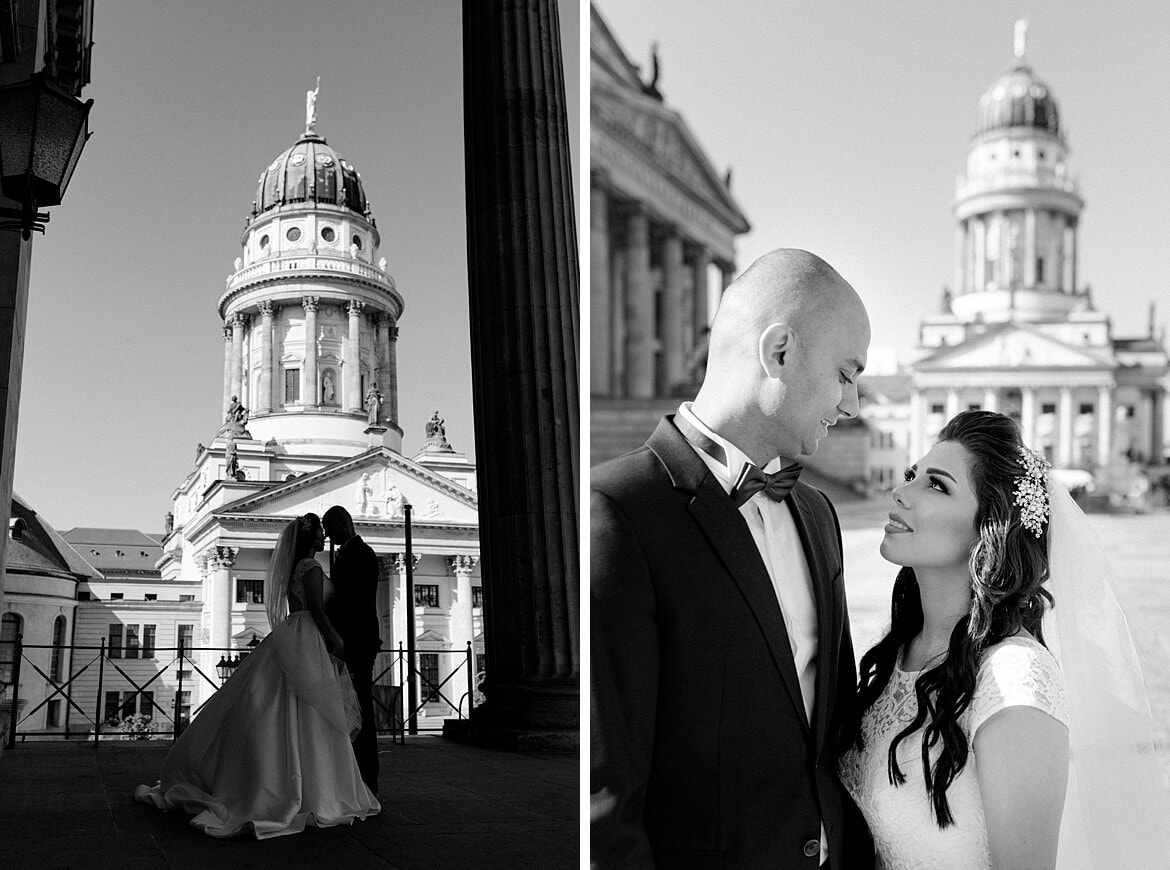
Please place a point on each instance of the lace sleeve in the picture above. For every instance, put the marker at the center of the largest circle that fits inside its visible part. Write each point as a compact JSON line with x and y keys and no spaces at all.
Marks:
{"x":1018,"y":672}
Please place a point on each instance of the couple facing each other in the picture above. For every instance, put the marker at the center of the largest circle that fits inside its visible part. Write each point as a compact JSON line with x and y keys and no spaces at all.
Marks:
{"x":271,"y":751}
{"x":991,"y":726}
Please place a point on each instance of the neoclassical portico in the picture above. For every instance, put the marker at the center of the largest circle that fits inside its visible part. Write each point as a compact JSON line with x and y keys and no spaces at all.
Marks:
{"x":663,"y":226}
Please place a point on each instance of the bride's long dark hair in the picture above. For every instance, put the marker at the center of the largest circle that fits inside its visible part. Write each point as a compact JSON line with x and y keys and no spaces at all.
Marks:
{"x":1008,"y":566}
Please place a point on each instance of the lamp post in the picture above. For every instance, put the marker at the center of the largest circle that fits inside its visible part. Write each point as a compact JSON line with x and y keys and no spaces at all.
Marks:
{"x":224,"y":668}
{"x":43,"y":131}
{"x":411,"y":674}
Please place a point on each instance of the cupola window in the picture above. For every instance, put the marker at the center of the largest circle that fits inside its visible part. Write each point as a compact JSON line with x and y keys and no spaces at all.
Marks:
{"x":328,"y":234}
{"x":357,"y":242}
{"x":264,"y":240}
{"x":293,"y":234}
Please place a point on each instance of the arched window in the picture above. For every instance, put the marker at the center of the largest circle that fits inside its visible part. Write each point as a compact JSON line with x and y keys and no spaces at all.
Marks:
{"x":58,"y":649}
{"x":10,"y":626}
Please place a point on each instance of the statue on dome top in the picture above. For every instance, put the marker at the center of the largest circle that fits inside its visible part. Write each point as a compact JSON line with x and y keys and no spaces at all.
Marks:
{"x":311,"y":108}
{"x":1021,"y":39}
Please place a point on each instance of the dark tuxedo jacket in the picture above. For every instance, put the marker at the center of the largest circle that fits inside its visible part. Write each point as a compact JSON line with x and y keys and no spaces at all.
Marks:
{"x":701,"y":752}
{"x":353,"y":609}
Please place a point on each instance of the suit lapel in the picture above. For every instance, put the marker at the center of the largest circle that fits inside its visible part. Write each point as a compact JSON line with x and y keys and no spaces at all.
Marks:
{"x":812,"y":539}
{"x":732,"y":542}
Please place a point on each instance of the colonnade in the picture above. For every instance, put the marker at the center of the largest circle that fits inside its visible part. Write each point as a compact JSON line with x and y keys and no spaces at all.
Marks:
{"x":1022,"y":248}
{"x":645,"y":343}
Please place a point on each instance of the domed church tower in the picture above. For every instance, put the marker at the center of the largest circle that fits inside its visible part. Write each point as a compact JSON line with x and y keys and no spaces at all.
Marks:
{"x":1017,"y":207}
{"x":310,"y":322}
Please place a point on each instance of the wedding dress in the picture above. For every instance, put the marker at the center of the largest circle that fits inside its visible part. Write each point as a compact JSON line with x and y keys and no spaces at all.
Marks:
{"x":270,"y":751}
{"x":1018,"y":671}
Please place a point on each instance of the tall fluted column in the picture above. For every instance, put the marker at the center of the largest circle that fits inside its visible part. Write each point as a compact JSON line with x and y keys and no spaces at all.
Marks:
{"x":672,"y":313}
{"x":277,"y":379}
{"x":1064,"y":450}
{"x":1030,"y":247}
{"x":391,"y":407}
{"x":980,"y":254}
{"x":639,"y":309}
{"x":237,"y":321}
{"x":311,"y":393}
{"x":960,"y":250}
{"x":1028,"y":416}
{"x":227,"y":368}
{"x":991,"y":399}
{"x":702,"y":260}
{"x":220,"y":562}
{"x":522,"y":263}
{"x":1104,"y":425}
{"x":264,"y":400}
{"x":382,"y":350}
{"x":952,"y":402}
{"x":599,"y":294}
{"x":461,"y":615}
{"x":353,"y":357}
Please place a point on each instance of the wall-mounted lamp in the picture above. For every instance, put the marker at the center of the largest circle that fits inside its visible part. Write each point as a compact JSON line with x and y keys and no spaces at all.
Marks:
{"x":43,"y":129}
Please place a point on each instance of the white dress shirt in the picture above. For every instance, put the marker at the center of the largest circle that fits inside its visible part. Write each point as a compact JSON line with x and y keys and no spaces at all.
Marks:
{"x":774,"y":531}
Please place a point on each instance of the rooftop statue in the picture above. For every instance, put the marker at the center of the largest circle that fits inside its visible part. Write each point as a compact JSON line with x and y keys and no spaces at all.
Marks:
{"x":311,"y":108}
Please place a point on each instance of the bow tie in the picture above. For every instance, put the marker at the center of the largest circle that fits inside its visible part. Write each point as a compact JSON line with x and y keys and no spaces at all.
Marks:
{"x":751,"y":479}
{"x":775,"y":486}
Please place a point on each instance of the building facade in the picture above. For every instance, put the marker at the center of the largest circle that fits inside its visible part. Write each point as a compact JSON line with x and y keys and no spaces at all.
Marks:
{"x":1019,"y":332}
{"x":662,"y":249}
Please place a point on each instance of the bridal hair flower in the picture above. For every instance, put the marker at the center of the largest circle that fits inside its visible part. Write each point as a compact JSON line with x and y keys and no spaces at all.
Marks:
{"x":1032,"y":490}
{"x":305,"y":524}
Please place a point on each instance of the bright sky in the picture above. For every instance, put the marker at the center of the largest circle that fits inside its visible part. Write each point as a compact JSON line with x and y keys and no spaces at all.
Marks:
{"x":123,"y":363}
{"x":846,"y":124}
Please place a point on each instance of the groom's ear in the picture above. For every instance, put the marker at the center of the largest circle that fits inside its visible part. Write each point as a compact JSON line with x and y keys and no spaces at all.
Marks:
{"x":775,"y":344}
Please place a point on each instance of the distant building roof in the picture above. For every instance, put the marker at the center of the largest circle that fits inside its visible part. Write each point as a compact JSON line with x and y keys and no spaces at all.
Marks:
{"x":886,"y":389}
{"x":115,"y":551}
{"x":35,"y":547}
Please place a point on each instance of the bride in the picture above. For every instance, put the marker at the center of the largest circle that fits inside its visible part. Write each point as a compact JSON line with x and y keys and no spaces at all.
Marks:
{"x":1002,"y":720}
{"x":269,"y":753}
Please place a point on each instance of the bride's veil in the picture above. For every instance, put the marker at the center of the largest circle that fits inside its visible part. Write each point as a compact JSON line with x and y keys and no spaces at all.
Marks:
{"x":279,"y":573}
{"x":1117,"y":808}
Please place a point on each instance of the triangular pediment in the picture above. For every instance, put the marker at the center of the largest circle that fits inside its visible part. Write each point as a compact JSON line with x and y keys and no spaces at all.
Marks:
{"x":1015,"y":346}
{"x":373,"y":487}
{"x":661,"y":139}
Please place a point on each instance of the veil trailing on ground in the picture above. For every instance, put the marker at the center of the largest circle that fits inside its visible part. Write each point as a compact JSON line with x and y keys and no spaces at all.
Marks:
{"x":279,"y":573}
{"x":1117,"y":807}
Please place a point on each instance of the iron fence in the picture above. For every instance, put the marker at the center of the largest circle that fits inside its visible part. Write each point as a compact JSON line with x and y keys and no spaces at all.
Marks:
{"x":394,"y":714}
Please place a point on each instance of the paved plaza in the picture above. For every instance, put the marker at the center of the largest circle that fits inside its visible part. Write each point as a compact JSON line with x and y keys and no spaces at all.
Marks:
{"x":1139,"y":551}
{"x":444,"y":805}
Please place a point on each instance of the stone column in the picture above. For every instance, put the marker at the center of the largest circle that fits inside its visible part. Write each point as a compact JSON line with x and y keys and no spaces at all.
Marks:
{"x":672,"y":313}
{"x":1005,"y":248}
{"x":1157,"y":424}
{"x":639,"y":309}
{"x":1030,"y":248}
{"x":227,"y":368}
{"x":1104,"y":425}
{"x":1067,"y":269}
{"x":462,"y":629}
{"x":991,"y":399}
{"x":1072,"y":286}
{"x":617,"y":319}
{"x":952,"y":402}
{"x":220,"y":561}
{"x":354,"y":402}
{"x":398,"y":608}
{"x":1064,"y":451}
{"x":237,"y":321}
{"x":960,"y":255}
{"x":390,"y":409}
{"x":523,"y":268}
{"x":916,"y":424}
{"x":701,"y":263}
{"x":382,"y":354}
{"x":264,"y":400}
{"x":309,"y":388}
{"x":599,"y":293}
{"x":277,"y":378}
{"x":980,"y":254}
{"x":1028,"y":416}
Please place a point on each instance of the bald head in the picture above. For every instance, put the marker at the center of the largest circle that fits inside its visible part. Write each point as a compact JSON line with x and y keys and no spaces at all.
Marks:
{"x":788,"y":286}
{"x":787,"y":343}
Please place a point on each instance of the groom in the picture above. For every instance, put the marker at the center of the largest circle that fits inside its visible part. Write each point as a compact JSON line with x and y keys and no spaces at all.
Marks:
{"x":354,"y":613}
{"x":722,"y":663}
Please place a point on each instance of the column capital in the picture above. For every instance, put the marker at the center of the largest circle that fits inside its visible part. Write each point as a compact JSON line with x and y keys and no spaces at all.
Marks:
{"x":239,"y":319}
{"x":393,"y":333}
{"x":265,"y":308}
{"x":218,"y":557}
{"x":310,"y":303}
{"x":399,"y":561}
{"x":227,"y":332}
{"x":385,"y":318}
{"x":355,"y":307}
{"x":462,"y":564}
